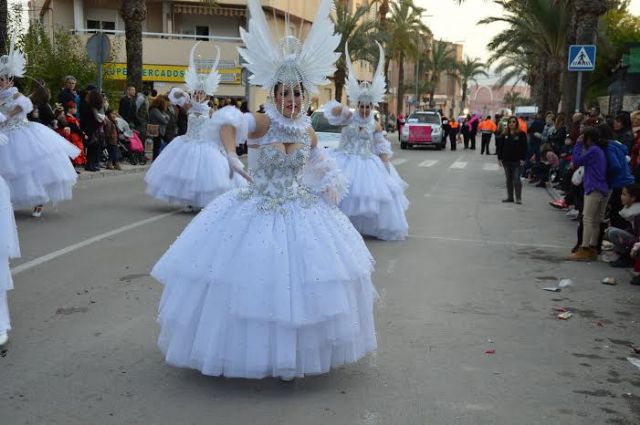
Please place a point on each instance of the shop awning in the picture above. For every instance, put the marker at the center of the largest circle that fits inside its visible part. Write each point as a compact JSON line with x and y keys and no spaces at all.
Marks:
{"x":200,"y":9}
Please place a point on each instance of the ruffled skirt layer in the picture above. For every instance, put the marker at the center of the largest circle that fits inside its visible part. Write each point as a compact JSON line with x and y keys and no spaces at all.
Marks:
{"x":253,"y":292}
{"x":376,"y":203}
{"x":36,"y":164}
{"x":190,"y":172}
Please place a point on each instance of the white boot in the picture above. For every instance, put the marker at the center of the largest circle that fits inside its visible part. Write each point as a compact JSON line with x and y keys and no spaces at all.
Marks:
{"x":4,"y":337}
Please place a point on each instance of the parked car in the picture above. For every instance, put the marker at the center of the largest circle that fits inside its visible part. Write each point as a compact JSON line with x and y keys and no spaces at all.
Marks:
{"x":422,"y":128}
{"x":328,"y":135}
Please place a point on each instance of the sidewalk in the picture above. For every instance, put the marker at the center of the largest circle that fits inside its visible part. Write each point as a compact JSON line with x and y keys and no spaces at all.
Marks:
{"x":126,"y":169}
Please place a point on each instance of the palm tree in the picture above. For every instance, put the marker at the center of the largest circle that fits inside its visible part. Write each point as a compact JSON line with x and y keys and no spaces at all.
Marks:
{"x":405,"y":29}
{"x":358,"y":32}
{"x":582,"y":28}
{"x":4,"y":24}
{"x":539,"y":27}
{"x":468,"y":71}
{"x":441,"y":57}
{"x":133,"y":12}
{"x":511,"y":99}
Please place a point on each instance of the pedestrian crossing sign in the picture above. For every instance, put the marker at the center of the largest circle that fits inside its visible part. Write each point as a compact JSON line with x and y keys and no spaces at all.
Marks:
{"x":582,"y":57}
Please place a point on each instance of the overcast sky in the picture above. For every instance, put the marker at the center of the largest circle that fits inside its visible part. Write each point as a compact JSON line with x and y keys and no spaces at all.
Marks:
{"x":456,"y":23}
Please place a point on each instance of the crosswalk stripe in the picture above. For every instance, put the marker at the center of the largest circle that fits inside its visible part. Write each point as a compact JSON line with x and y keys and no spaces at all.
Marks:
{"x":458,"y":165}
{"x":489,"y":166}
{"x":399,"y":161}
{"x":428,"y":163}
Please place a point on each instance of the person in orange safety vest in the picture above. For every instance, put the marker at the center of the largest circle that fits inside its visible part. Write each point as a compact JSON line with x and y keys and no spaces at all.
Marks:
{"x":487,"y":129}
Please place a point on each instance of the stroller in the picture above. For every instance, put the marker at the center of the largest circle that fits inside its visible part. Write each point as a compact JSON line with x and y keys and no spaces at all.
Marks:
{"x":129,"y":144}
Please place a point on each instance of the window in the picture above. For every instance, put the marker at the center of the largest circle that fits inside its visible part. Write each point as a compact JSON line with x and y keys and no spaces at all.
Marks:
{"x":100,"y":25}
{"x":423,"y":118}
{"x":202,"y":31}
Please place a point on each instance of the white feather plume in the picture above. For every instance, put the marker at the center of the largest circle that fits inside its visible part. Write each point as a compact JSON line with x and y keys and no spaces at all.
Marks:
{"x":372,"y":92}
{"x":319,"y":55}
{"x":265,"y":59}
{"x":13,"y":64}
{"x":195,"y":81}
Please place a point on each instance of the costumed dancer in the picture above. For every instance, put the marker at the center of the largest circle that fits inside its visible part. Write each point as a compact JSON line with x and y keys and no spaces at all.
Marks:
{"x":35,"y":162}
{"x":272,"y":280}
{"x":9,"y":248}
{"x":193,"y":169}
{"x":376,"y":203}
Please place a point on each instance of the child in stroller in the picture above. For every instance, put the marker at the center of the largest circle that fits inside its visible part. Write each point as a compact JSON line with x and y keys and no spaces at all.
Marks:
{"x":129,"y":143}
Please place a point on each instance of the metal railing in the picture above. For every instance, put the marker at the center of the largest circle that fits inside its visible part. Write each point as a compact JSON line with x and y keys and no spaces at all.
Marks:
{"x":162,"y":35}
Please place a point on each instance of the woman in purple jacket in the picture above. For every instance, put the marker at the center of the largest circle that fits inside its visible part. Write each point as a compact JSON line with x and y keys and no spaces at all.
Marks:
{"x":589,"y":154}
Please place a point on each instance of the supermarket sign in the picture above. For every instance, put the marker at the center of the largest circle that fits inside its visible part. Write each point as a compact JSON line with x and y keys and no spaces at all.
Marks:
{"x":167,"y":73}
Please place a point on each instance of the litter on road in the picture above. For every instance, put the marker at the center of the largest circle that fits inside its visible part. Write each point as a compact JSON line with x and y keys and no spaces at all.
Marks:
{"x":565,"y":316}
{"x":552,"y":289}
{"x":609,"y":281}
{"x":634,"y":361}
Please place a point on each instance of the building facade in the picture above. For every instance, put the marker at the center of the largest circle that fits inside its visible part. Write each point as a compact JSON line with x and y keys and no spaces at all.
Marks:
{"x":448,"y":94}
{"x":171,"y":29}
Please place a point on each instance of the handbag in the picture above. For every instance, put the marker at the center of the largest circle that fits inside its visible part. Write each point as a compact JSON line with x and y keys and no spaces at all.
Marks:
{"x":577,"y":177}
{"x":153,"y":130}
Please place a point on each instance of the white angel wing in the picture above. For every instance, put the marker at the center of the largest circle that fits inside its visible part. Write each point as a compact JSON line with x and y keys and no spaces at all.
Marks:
{"x":17,"y":61}
{"x":261,"y":54}
{"x":191,"y":74}
{"x":213,"y":79}
{"x":351,"y":84}
{"x":378,"y":84}
{"x":318,"y":55}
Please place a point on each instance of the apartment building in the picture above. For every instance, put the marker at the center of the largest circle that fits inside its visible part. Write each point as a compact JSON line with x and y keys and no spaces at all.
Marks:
{"x":171,"y":29}
{"x":448,"y":94}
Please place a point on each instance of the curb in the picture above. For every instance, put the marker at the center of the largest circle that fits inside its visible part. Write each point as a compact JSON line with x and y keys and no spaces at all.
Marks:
{"x":103,"y":173}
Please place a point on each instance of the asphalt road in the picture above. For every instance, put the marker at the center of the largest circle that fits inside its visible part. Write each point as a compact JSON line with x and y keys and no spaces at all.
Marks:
{"x":468,"y":280}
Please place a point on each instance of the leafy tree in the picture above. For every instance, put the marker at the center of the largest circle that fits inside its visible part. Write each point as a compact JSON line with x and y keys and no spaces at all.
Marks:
{"x":468,"y":71}
{"x":359,"y":31}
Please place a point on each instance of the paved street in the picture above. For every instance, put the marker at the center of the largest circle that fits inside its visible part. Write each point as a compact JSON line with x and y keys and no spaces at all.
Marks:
{"x":468,"y":280}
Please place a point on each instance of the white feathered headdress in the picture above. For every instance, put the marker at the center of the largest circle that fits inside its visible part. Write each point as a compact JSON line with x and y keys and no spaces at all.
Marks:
{"x":365,"y":92}
{"x":206,"y":82}
{"x":289,"y":61}
{"x":13,"y":64}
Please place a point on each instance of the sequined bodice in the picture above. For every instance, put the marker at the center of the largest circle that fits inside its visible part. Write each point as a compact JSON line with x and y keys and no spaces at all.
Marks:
{"x":196,"y":127}
{"x":356,"y":139}
{"x":7,"y":105}
{"x":276,"y":174}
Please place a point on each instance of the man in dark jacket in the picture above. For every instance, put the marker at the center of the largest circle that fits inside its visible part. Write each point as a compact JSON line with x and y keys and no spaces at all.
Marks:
{"x":68,"y":92}
{"x":127,"y":109}
{"x":535,"y":130}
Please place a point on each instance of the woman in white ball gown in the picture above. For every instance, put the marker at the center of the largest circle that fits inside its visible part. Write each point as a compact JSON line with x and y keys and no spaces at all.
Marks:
{"x":193,"y":169}
{"x":376,"y":203}
{"x":36,"y":161}
{"x":9,"y":248}
{"x":272,"y":280}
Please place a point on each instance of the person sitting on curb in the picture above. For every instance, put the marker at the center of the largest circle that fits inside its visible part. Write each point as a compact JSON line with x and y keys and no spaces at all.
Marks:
{"x":623,"y":240}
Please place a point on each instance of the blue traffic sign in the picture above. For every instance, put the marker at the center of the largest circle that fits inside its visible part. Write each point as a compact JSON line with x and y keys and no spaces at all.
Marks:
{"x":582,"y":57}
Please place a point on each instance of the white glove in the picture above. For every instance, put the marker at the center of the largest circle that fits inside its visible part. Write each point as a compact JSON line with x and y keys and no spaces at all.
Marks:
{"x":235,"y":165}
{"x":3,"y":118}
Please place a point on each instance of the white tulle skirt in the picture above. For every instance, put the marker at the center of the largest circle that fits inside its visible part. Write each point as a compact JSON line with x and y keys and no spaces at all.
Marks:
{"x":376,"y":203}
{"x":254,"y":293}
{"x":9,"y":248}
{"x":36,"y":164}
{"x":189,"y":172}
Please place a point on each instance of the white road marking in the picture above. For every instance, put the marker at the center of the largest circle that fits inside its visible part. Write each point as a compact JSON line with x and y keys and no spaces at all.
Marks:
{"x":487,"y":242}
{"x":458,"y":164}
{"x":428,"y":163}
{"x":490,"y":166}
{"x":59,"y":253}
{"x":399,"y":161}
{"x":391,"y":267}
